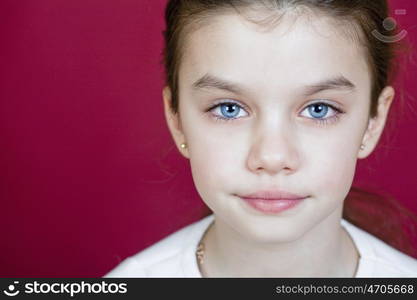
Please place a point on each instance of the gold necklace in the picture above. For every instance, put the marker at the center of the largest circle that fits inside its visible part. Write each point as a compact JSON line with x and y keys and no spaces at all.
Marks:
{"x":201,"y":248}
{"x":200,"y":253}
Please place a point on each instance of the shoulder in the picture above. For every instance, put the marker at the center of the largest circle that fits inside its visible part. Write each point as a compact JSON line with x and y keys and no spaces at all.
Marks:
{"x":379,"y":259}
{"x":170,"y":257}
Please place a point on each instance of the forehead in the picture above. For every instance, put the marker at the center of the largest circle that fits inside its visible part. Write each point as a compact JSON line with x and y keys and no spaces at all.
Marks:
{"x":298,"y":51}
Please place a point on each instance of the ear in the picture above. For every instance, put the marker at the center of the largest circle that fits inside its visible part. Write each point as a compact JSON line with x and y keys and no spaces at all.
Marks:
{"x":174,"y":122}
{"x":376,"y":124}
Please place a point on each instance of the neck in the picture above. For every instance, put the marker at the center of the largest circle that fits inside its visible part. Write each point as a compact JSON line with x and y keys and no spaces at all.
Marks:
{"x":229,"y":254}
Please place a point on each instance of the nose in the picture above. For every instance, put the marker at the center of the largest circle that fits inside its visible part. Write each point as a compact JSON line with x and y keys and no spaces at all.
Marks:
{"x":273,"y":150}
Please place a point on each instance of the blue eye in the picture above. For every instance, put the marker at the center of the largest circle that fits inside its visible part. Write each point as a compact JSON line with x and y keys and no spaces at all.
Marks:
{"x":323,"y":113}
{"x":228,"y":111}
{"x":320,"y":112}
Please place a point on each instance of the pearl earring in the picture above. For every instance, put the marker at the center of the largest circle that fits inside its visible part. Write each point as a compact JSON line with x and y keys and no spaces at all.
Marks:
{"x":183,"y":145}
{"x":362,"y":147}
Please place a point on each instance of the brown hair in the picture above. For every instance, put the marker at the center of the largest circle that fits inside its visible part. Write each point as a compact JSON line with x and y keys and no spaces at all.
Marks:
{"x":363,"y":19}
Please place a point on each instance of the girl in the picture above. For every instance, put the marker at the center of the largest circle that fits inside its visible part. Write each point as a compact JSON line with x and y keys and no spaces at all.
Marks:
{"x":273,"y":102}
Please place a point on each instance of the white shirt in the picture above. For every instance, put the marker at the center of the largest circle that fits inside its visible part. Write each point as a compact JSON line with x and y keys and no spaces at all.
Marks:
{"x":174,"y":256}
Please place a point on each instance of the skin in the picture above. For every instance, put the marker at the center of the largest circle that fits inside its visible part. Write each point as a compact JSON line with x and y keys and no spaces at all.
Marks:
{"x":274,"y":142}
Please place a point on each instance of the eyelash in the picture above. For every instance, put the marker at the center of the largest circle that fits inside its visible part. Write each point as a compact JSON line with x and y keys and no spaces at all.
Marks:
{"x":321,"y":122}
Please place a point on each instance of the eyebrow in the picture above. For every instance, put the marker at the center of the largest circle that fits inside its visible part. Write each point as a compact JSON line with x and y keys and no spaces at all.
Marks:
{"x":209,"y":81}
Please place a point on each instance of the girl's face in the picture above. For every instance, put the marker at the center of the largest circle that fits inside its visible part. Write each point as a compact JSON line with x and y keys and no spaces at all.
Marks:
{"x":283,"y":109}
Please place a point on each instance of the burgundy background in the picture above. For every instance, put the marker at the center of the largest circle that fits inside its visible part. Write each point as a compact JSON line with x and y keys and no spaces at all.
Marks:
{"x":89,"y":174}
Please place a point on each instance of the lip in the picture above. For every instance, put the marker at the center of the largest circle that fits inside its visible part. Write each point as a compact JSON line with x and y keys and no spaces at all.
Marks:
{"x":273,"y":195}
{"x":272,"y":201}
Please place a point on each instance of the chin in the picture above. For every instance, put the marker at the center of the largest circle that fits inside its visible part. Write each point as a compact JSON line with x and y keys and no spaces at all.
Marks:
{"x":272,"y":234}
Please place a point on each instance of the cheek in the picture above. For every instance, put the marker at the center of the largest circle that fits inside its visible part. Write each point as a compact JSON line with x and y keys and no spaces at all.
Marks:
{"x":332,"y":169}
{"x":216,"y":158}
{"x":214,"y":162}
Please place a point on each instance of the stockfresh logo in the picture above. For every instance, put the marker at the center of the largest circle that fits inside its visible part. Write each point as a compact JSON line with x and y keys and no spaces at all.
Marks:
{"x":11,"y":290}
